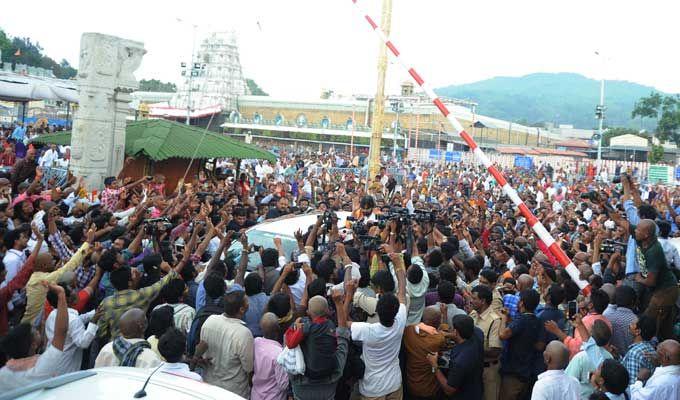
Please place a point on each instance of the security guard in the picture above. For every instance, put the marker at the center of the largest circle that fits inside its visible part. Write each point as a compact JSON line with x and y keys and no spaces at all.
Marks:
{"x":490,"y":323}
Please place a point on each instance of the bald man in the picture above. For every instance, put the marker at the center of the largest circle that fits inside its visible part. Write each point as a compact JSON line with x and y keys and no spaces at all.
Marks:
{"x":554,"y":383}
{"x":129,"y":349}
{"x":317,"y":307}
{"x":419,"y":341}
{"x":657,"y":277}
{"x":315,"y":335}
{"x":665,"y":382}
{"x":270,"y":380}
{"x":44,"y":270}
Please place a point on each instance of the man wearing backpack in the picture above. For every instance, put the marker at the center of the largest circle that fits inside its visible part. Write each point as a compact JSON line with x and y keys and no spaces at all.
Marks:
{"x":324,"y":349}
{"x":214,"y":290}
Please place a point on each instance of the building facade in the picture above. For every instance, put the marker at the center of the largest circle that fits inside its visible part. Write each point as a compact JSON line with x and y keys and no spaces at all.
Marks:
{"x":348,"y":121}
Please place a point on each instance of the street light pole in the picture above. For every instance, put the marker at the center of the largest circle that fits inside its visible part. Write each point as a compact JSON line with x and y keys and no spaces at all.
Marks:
{"x":397,"y":107}
{"x":191,"y":75}
{"x":599,"y":113}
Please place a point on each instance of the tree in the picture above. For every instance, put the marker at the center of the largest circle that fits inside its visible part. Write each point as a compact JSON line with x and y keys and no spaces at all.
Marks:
{"x":255,"y":90}
{"x":666,"y":110}
{"x":656,"y":154}
{"x":31,"y":54}
{"x":647,"y":107}
{"x":154,"y":85}
{"x":5,"y":45}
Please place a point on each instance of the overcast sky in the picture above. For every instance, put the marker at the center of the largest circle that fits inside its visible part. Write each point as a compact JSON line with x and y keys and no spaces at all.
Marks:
{"x":306,"y":45}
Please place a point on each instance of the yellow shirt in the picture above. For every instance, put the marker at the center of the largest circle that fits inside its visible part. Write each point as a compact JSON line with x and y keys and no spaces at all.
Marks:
{"x":491,"y":324}
{"x":36,"y":292}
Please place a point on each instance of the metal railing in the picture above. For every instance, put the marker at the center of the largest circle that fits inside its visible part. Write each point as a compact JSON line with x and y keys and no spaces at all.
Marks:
{"x":57,"y":175}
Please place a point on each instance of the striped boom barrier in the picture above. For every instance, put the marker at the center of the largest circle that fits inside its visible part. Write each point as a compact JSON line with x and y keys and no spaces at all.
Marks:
{"x":532,"y":221}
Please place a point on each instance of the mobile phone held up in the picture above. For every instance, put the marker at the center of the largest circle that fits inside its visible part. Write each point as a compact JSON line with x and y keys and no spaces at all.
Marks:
{"x":572,"y":309}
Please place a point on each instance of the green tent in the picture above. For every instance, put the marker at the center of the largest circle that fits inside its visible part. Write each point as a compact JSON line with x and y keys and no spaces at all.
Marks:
{"x":160,"y":139}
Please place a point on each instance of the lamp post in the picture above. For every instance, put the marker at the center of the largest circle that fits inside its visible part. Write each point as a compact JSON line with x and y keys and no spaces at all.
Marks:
{"x":397,"y":107}
{"x":193,"y":69}
{"x":599,"y":114}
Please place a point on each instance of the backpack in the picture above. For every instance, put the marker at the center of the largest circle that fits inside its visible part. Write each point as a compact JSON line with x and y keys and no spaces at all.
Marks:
{"x":318,"y":349}
{"x":194,"y":335}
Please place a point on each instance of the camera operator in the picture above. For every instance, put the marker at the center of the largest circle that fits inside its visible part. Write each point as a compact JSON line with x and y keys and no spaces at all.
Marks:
{"x":635,"y":212}
{"x":366,"y":210}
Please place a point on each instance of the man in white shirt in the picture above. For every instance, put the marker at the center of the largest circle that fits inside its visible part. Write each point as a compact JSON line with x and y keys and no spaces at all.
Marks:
{"x":49,"y":157}
{"x":227,"y":341}
{"x":78,"y":337}
{"x":15,"y":257}
{"x":16,"y":241}
{"x":129,"y":349}
{"x":382,"y":341}
{"x":172,"y":346}
{"x":554,"y":383}
{"x":665,"y":382}
{"x":23,"y":368}
{"x":670,"y":251}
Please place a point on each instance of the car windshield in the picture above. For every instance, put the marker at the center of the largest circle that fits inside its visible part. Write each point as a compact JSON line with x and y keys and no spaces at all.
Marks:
{"x":263,"y":239}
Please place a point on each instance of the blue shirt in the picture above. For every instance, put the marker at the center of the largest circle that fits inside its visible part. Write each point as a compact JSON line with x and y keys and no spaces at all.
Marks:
{"x":256,"y":307}
{"x":632,"y":265}
{"x":511,"y":302}
{"x":550,"y":313}
{"x":19,"y":133}
{"x":636,"y":358}
{"x":200,"y":296}
{"x":467,"y":367}
{"x":520,"y":356}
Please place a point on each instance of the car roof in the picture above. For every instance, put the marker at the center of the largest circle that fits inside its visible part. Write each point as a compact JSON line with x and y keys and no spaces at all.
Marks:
{"x":120,"y":383}
{"x":287,"y":225}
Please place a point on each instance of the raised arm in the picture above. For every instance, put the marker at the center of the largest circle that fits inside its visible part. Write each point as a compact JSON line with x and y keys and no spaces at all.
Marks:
{"x":224,"y":244}
{"x":210,"y":233}
{"x":282,"y":277}
{"x":243,"y":263}
{"x":94,"y":282}
{"x":400,"y":271}
{"x":61,"y":322}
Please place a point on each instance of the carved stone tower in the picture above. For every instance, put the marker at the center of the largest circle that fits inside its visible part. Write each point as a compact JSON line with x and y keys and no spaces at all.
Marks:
{"x":105,"y":81}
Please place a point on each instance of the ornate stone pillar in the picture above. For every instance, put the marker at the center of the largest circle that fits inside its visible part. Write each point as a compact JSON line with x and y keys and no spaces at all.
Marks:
{"x":105,"y":81}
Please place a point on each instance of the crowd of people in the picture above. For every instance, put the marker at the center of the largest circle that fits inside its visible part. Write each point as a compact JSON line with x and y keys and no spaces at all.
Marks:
{"x":429,"y":286}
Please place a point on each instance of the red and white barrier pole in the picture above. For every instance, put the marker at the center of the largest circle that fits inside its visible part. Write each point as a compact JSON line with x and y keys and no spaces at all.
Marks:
{"x":532,"y":221}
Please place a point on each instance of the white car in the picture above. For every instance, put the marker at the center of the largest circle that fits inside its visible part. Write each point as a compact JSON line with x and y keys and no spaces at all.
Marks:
{"x":119,"y":383}
{"x":263,"y":234}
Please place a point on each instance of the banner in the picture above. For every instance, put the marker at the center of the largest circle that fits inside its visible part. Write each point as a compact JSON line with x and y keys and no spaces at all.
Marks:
{"x":659,"y":173}
{"x":453,"y":156}
{"x":525,"y":162}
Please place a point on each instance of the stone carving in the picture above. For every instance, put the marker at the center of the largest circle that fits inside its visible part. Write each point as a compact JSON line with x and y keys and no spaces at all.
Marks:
{"x":105,"y":79}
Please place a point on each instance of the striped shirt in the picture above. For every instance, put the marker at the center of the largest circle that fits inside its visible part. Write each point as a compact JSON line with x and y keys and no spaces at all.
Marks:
{"x":122,"y":300}
{"x":637,"y":358}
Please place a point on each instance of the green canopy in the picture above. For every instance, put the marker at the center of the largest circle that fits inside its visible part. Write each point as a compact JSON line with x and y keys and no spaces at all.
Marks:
{"x":160,"y":139}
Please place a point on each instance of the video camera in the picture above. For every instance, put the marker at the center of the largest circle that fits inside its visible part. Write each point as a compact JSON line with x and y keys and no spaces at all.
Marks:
{"x":328,"y":219}
{"x":151,"y":225}
{"x":612,"y":246}
{"x":370,"y":242}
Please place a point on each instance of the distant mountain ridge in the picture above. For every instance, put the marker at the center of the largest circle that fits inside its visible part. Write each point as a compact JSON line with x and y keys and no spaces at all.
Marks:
{"x":562,"y":98}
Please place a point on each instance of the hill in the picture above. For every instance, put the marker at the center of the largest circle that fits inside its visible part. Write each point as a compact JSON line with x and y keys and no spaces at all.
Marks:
{"x":17,"y":50}
{"x":565,"y":98}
